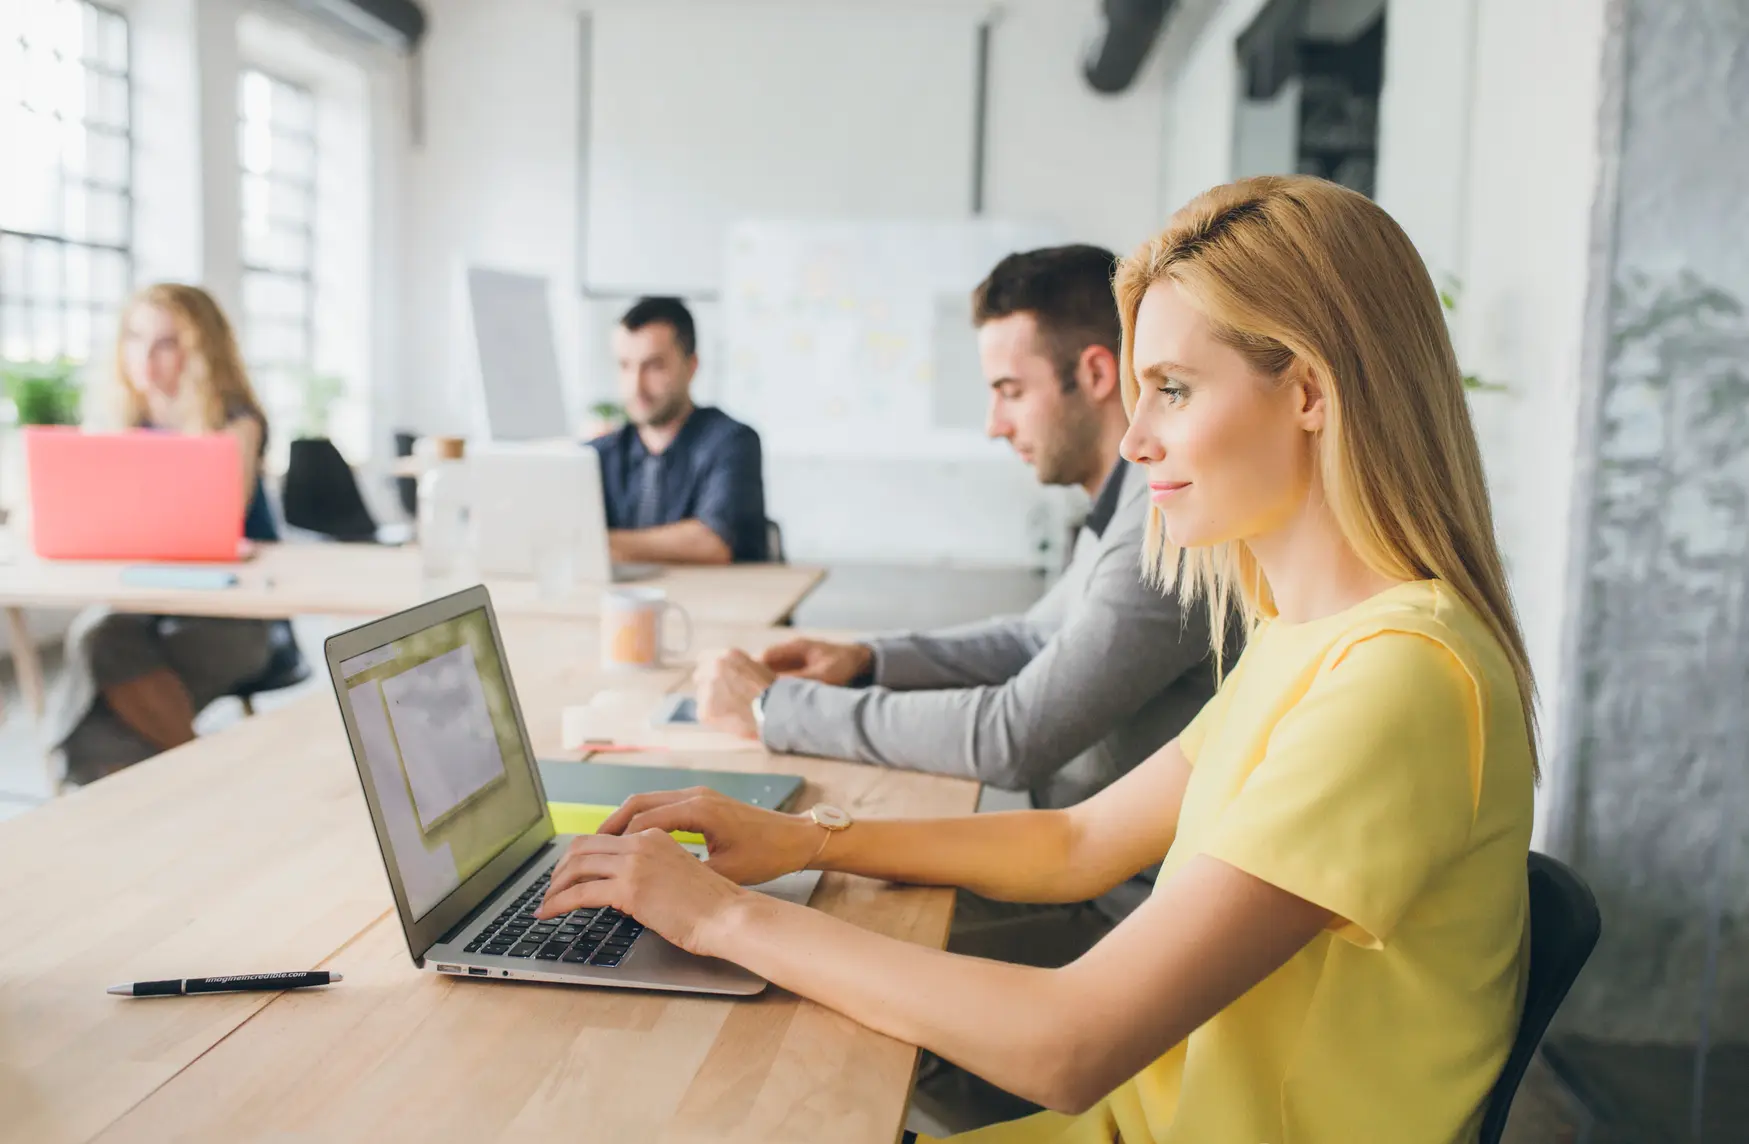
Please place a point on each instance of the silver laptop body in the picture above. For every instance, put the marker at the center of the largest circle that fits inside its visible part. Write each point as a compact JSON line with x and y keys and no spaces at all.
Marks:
{"x":521,"y":494}
{"x":461,"y":816}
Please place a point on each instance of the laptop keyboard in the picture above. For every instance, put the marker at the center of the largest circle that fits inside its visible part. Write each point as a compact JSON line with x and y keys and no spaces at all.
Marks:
{"x":582,"y":937}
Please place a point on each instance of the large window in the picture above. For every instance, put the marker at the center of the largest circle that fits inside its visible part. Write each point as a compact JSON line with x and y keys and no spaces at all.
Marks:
{"x":277,"y":146}
{"x":66,"y":186}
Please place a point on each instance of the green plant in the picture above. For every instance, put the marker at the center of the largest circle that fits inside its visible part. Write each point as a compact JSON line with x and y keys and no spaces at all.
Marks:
{"x":42,"y":392}
{"x":320,"y":392}
{"x":1448,"y":299}
{"x":608,"y":411}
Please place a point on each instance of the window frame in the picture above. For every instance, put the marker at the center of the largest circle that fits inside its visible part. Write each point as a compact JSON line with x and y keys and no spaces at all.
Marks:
{"x":24,"y":300}
{"x":307,"y":190}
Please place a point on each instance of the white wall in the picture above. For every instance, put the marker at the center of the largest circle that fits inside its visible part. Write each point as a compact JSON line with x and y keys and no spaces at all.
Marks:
{"x":1532,"y":175}
{"x":702,"y":115}
{"x":1267,"y":132}
{"x":1203,"y":99}
{"x":495,"y":180}
{"x":1425,"y":125}
{"x":1058,"y":150}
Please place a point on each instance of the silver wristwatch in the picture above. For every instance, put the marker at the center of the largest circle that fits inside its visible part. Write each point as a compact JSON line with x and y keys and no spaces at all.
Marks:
{"x":759,"y":712}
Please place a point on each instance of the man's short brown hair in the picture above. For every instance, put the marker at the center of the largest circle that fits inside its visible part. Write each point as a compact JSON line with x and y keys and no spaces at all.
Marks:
{"x":1067,"y":290}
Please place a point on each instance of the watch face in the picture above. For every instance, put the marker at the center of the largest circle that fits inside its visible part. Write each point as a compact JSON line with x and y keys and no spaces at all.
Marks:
{"x":831,"y":817}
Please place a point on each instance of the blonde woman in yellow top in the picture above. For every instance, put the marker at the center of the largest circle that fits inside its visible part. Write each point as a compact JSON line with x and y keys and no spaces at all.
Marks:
{"x":1336,"y":946}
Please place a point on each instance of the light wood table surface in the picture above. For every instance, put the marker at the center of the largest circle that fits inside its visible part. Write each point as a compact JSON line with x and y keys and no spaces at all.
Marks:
{"x":363,"y":580}
{"x":252,"y":851}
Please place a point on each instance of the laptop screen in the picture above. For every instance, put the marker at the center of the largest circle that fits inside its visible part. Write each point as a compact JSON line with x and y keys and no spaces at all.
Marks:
{"x":443,"y":753}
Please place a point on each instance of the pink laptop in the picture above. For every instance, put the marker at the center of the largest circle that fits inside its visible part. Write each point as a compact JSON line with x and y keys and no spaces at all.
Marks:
{"x":133,"y":496}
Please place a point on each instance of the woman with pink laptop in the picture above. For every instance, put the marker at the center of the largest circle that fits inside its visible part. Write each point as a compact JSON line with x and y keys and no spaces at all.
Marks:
{"x":134,"y":683}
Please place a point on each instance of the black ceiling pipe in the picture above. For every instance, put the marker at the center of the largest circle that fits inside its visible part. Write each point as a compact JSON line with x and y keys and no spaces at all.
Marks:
{"x":394,"y":23}
{"x":1127,"y":29}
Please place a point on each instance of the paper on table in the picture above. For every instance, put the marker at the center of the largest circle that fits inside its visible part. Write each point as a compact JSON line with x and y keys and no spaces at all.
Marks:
{"x":622,"y":718}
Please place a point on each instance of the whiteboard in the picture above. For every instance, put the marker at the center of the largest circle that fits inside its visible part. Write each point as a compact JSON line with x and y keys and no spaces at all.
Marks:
{"x":698,"y":115}
{"x":855,"y":338}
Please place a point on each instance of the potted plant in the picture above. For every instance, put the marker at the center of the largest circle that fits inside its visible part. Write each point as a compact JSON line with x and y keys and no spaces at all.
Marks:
{"x":39,"y":393}
{"x":320,"y":392}
{"x":42,"y":393}
{"x":605,"y":417}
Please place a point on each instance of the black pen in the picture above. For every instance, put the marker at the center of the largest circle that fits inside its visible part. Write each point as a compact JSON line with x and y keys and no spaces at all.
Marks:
{"x":241,"y":983}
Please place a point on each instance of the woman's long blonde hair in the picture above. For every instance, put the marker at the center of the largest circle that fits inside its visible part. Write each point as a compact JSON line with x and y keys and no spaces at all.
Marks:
{"x":215,"y":386}
{"x":1296,"y":269}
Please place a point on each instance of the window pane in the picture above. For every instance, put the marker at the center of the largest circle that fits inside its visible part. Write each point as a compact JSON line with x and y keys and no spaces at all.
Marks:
{"x":46,"y":340}
{"x":109,"y":276}
{"x":105,"y":331}
{"x":14,"y":342}
{"x":106,"y":157}
{"x":294,"y":109}
{"x":12,"y":254}
{"x":109,"y":218}
{"x":278,"y":207}
{"x":109,"y":100}
{"x":42,"y":271}
{"x":277,"y":248}
{"x":112,"y":41}
{"x":79,"y":333}
{"x":12,"y":62}
{"x":255,"y":146}
{"x":76,"y":262}
{"x":267,"y":296}
{"x":255,"y":93}
{"x":277,"y":343}
{"x":63,"y":68}
{"x":294,"y":158}
{"x":74,"y":220}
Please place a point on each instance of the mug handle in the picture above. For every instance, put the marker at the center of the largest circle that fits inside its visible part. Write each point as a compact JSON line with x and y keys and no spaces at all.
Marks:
{"x":686,"y":622}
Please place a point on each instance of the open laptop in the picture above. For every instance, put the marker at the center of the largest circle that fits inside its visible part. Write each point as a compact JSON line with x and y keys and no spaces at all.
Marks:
{"x":133,"y":496}
{"x":461,"y":814}
{"x":523,"y":493}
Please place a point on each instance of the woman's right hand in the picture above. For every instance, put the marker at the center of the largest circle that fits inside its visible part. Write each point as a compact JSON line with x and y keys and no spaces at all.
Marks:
{"x":747,"y":845}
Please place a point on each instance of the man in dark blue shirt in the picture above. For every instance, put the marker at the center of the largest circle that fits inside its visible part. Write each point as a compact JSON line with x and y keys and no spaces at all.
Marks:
{"x":684,"y":484}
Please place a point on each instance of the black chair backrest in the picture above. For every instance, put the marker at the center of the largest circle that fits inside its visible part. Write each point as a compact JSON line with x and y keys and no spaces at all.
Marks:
{"x":321,"y":493}
{"x":406,"y":487}
{"x":773,"y":542}
{"x":1564,"y":925}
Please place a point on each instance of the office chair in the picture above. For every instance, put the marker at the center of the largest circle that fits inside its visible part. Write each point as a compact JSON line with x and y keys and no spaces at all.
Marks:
{"x":320,"y":494}
{"x":406,"y":488}
{"x":774,"y":543}
{"x":1564,"y":925}
{"x":286,"y":666}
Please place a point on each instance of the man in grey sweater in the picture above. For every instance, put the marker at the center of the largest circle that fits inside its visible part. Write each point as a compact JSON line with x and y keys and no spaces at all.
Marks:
{"x":1061,"y":701}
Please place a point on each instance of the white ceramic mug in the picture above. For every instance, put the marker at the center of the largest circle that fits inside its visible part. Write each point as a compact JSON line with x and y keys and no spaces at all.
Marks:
{"x":632,"y":628}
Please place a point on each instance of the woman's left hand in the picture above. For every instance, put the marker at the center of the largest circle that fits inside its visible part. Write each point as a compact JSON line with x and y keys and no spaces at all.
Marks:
{"x":647,"y":876}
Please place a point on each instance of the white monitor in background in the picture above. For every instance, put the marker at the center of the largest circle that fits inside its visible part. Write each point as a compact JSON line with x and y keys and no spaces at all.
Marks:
{"x":518,"y":358}
{"x":522,"y":497}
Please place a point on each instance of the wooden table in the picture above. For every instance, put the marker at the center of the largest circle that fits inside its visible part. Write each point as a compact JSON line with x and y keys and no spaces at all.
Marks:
{"x":365,"y":580}
{"x":252,"y":851}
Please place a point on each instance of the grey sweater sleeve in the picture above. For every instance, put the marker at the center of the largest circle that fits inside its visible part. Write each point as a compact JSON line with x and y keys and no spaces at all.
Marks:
{"x":989,"y":651}
{"x":1122,"y":645}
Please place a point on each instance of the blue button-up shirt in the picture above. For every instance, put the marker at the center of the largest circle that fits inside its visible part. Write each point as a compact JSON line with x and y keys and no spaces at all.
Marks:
{"x":713,"y":472}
